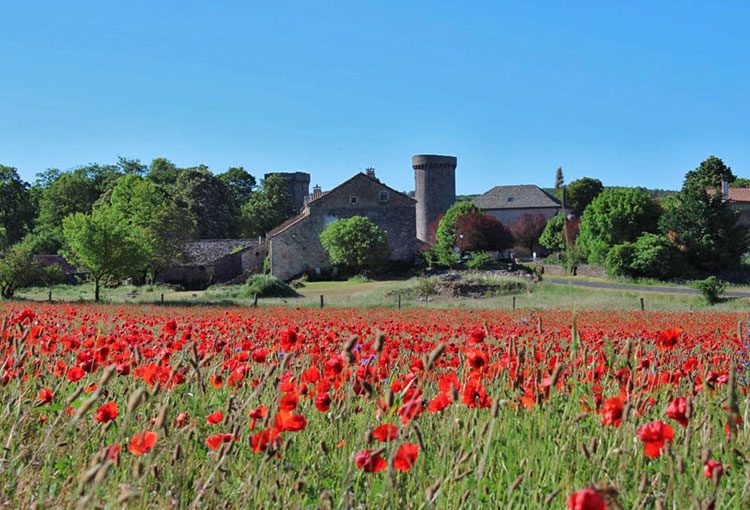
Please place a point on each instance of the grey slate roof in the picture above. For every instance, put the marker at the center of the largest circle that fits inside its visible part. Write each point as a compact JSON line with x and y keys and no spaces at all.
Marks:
{"x":523,"y":196}
{"x":204,"y":252}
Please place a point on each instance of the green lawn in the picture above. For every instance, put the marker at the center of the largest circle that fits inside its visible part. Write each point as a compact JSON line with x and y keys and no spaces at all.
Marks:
{"x":368,"y":294}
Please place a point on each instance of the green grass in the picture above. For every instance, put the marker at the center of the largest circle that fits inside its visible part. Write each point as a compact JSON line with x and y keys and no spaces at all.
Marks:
{"x":375,"y":293}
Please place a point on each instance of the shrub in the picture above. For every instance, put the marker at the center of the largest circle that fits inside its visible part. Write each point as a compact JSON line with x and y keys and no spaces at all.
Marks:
{"x":445,"y":235}
{"x":476,"y":231}
{"x":267,"y":286}
{"x":356,"y":243}
{"x":711,"y":288}
{"x":650,"y":256}
{"x":478,"y":260}
{"x":425,"y":287}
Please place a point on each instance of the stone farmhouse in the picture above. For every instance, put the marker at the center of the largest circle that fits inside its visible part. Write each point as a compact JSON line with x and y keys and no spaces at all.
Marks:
{"x":294,"y":247}
{"x":203,"y":262}
{"x":508,"y":203}
{"x":738,"y":200}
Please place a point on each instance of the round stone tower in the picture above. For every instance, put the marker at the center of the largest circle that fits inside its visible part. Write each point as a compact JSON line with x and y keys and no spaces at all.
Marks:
{"x":435,"y":186}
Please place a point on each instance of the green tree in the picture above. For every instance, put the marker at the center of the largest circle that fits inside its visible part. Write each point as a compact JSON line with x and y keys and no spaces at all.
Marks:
{"x":209,"y":202}
{"x":240,"y":183}
{"x":356,"y":243}
{"x":161,"y":171}
{"x":650,"y":256}
{"x":709,"y":174}
{"x":102,"y":243}
{"x":267,"y":208}
{"x":705,"y":229}
{"x":581,"y":192}
{"x":16,"y":209}
{"x":19,"y":269}
{"x":446,"y":237}
{"x":552,"y":237}
{"x":617,"y":215}
{"x":68,"y":193}
{"x":158,"y":223}
{"x":740,"y":182}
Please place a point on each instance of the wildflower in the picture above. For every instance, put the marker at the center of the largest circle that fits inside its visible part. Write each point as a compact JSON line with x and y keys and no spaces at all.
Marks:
{"x":713,"y":468}
{"x":213,"y":442}
{"x":612,"y":411}
{"x":677,"y":409}
{"x":45,"y":396}
{"x":369,"y":462}
{"x":215,"y":418}
{"x":406,"y":457}
{"x":439,"y":403}
{"x":141,"y":443}
{"x":668,"y":338}
{"x":322,"y":402}
{"x":654,"y":435}
{"x":477,"y":335}
{"x":106,"y":413}
{"x":75,"y":373}
{"x":385,"y":433}
{"x":586,"y":499}
{"x":171,"y":327}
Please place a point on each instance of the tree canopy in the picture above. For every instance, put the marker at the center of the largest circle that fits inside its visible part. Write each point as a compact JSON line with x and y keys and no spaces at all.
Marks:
{"x":16,"y":209}
{"x":268,"y":207}
{"x":240,"y":183}
{"x":356,"y":243}
{"x":617,"y":215}
{"x":581,"y":192}
{"x":709,"y":174}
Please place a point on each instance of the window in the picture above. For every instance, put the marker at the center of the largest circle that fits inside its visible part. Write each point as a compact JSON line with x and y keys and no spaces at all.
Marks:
{"x":510,"y":199}
{"x":353,"y":200}
{"x":384,"y":196}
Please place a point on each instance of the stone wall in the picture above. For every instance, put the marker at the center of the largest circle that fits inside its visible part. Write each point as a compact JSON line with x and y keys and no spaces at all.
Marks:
{"x":297,"y":249}
{"x":583,"y":270}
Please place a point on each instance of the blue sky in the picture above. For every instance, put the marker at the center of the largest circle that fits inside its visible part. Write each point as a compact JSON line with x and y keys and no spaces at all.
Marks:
{"x":633,"y":93}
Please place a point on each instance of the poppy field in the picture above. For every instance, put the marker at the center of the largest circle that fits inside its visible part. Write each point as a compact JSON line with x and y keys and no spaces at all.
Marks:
{"x":157,"y":407}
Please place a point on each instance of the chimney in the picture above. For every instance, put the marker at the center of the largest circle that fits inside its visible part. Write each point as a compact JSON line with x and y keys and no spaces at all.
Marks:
{"x":316,"y":189}
{"x":370,"y":171}
{"x":725,"y":190}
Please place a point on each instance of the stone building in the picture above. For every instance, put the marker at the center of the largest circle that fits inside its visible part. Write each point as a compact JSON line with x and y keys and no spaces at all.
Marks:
{"x":508,"y":203}
{"x":294,"y":247}
{"x":203,"y":262}
{"x":737,"y":199}
{"x":435,"y":189}
{"x":298,"y":184}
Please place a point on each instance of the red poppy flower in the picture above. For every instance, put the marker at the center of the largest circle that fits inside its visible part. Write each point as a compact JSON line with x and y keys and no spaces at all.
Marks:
{"x":141,"y":443}
{"x":711,"y":467}
{"x":45,"y":396}
{"x":106,"y":413}
{"x":668,"y":338}
{"x":439,"y":403}
{"x":215,"y":441}
{"x":677,"y":409}
{"x":612,"y":411}
{"x":259,"y":442}
{"x":258,"y":413}
{"x":384,"y":433}
{"x":654,"y":435}
{"x":259,"y":355}
{"x":368,"y":462}
{"x":75,"y":373}
{"x":288,"y":339}
{"x":322,"y":402}
{"x":289,"y":402}
{"x":181,"y":420}
{"x":477,"y":360}
{"x":406,"y":457}
{"x":291,"y":422}
{"x":215,"y":418}
{"x":474,"y":395}
{"x":171,"y":327}
{"x":586,"y":499}
{"x":477,"y":335}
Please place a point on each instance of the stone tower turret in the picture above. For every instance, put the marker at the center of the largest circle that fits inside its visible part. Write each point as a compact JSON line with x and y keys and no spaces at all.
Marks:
{"x":299,"y":186}
{"x":435,"y":186}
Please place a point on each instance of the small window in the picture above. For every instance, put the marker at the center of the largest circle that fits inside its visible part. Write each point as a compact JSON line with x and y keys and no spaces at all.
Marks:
{"x":353,"y":200}
{"x":384,"y":196}
{"x":510,"y":199}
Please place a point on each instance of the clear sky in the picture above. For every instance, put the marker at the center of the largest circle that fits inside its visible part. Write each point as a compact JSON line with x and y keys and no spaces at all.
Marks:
{"x":634,"y":93}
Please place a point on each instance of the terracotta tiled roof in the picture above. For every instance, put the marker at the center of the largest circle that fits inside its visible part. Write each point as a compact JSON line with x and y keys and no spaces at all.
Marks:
{"x":735,"y":194}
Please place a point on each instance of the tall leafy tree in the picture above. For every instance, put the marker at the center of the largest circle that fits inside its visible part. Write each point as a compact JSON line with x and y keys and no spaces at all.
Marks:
{"x":104,"y":244}
{"x":19,"y":269}
{"x":240,"y":183}
{"x":581,"y":192}
{"x":446,"y":236}
{"x":710,"y":174}
{"x":209,"y":201}
{"x":268,"y":207}
{"x":16,"y":209}
{"x":616,"y":216}
{"x":157,"y":221}
{"x":705,"y":229}
{"x":527,"y":229}
{"x":162,"y":172}
{"x":552,"y":237}
{"x":476,"y":231}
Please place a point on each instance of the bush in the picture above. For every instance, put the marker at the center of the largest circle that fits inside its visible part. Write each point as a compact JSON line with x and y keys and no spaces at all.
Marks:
{"x":266,"y":286}
{"x":479,"y":260}
{"x":19,"y":269}
{"x":445,"y":235}
{"x":356,"y":243}
{"x":711,"y":288}
{"x":425,"y":287}
{"x":650,"y":256}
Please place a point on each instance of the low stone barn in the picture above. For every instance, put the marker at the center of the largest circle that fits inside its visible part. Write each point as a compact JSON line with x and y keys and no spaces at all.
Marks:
{"x":68,"y":272}
{"x":203,"y":262}
{"x":294,"y":247}
{"x":508,"y":203}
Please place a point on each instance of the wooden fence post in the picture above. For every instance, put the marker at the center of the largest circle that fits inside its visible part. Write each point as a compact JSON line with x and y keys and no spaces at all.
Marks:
{"x":162,"y":298}
{"x":643,"y":305}
{"x":49,"y":298}
{"x":255,"y":300}
{"x":514,"y":302}
{"x":399,"y":301}
{"x":322,"y":304}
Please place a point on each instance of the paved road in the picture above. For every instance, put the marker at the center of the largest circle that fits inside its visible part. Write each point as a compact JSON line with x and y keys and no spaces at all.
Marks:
{"x":644,"y":288}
